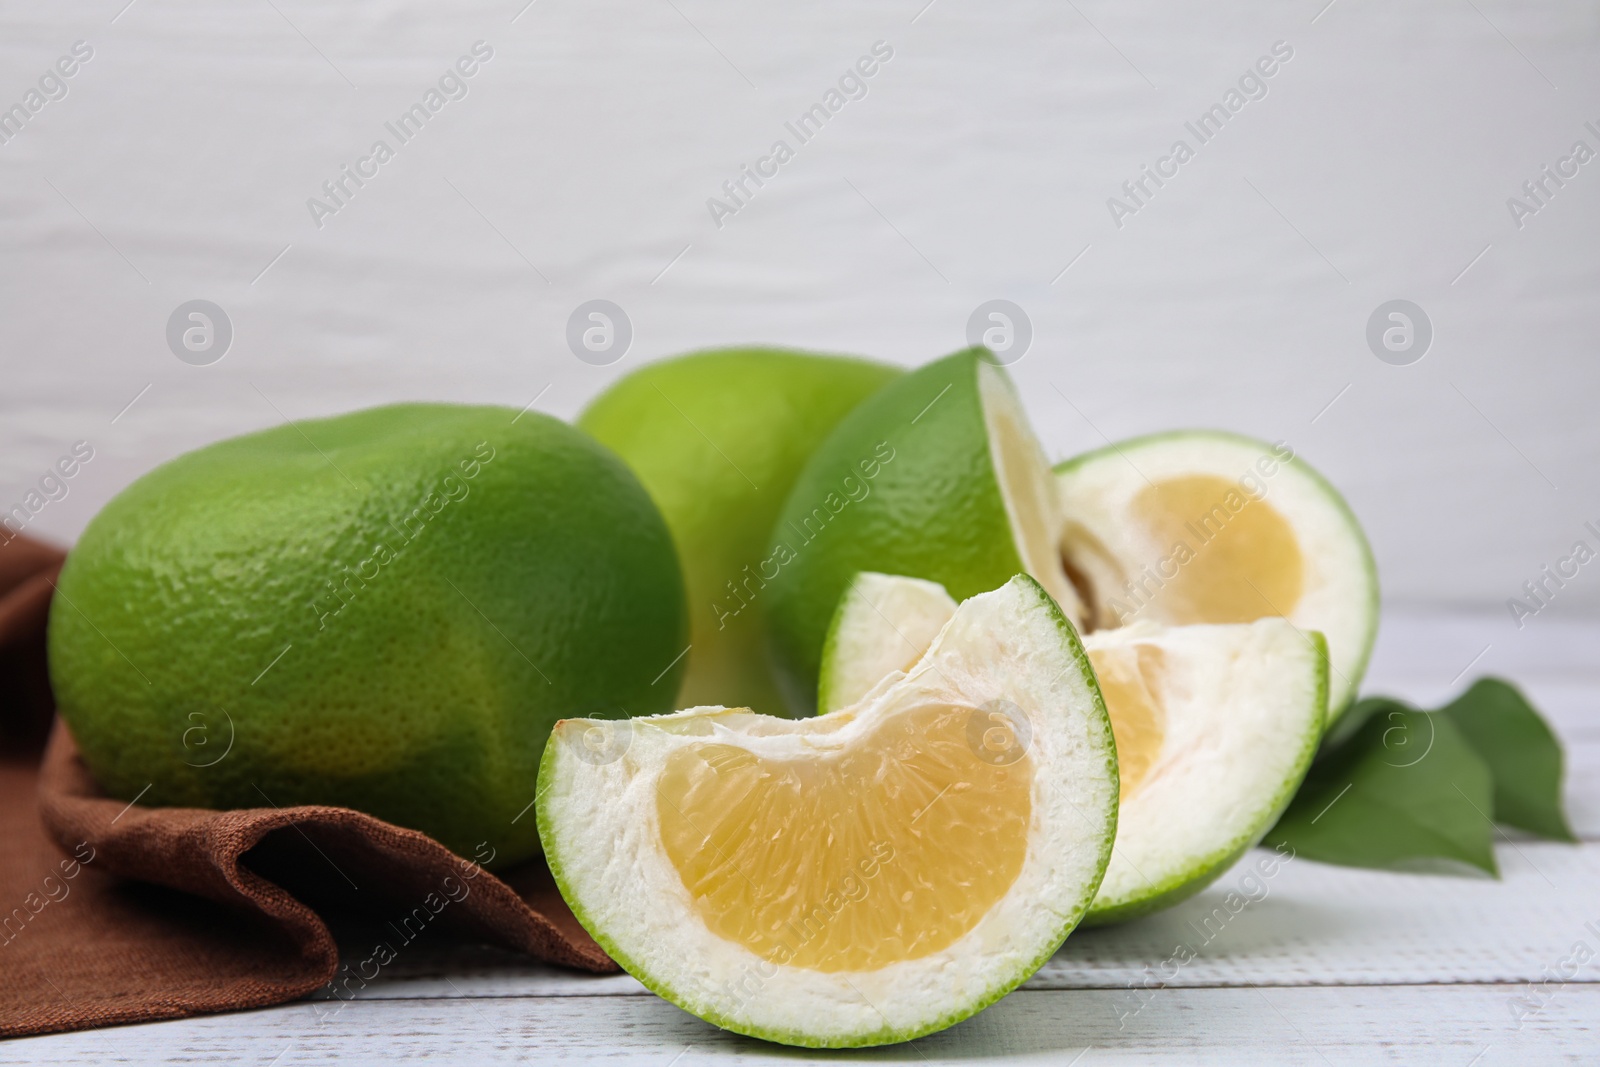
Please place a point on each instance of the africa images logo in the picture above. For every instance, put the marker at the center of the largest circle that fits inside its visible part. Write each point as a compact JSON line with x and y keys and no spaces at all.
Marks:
{"x":742,"y":592}
{"x":1252,"y":85}
{"x":452,"y":85}
{"x":852,"y":85}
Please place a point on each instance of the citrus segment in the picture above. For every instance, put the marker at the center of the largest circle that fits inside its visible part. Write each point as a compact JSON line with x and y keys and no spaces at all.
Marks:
{"x":1131,"y":680}
{"x":1241,"y":709}
{"x":1250,"y":567}
{"x":888,"y":851}
{"x":856,"y":878}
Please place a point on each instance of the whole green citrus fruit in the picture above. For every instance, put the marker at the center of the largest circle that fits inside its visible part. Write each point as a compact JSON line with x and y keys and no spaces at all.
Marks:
{"x":718,"y":438}
{"x":387,"y":610}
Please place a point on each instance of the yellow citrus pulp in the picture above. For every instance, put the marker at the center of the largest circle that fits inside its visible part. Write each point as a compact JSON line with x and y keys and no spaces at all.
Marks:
{"x":1130,"y":681}
{"x":888,"y":851}
{"x":1246,"y":562}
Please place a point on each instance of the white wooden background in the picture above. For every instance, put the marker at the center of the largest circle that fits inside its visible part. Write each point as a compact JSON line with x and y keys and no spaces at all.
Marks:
{"x":978,"y":166}
{"x":1333,"y":966}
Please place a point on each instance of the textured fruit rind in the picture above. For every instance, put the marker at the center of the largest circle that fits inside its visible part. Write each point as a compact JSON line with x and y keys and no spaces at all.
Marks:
{"x":503,"y":571}
{"x":718,"y":439}
{"x":905,"y":484}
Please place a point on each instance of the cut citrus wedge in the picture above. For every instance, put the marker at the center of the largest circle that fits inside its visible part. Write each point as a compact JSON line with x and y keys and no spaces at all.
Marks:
{"x":936,"y":475}
{"x":856,"y":879}
{"x":1215,"y":727}
{"x":1208,"y":527}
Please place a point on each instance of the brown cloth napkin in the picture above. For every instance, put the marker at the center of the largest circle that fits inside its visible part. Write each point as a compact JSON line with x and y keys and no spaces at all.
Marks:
{"x":115,"y":913}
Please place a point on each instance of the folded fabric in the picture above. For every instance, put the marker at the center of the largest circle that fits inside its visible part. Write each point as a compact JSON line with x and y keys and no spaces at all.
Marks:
{"x":115,"y":913}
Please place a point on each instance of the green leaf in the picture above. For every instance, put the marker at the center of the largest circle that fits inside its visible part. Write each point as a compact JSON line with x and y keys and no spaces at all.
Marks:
{"x":1354,"y":718}
{"x":1522,"y":753}
{"x":1400,"y":790}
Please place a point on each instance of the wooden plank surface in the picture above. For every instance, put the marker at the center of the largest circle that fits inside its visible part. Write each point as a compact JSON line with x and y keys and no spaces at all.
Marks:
{"x":1461,"y":1025}
{"x":1326,"y":965}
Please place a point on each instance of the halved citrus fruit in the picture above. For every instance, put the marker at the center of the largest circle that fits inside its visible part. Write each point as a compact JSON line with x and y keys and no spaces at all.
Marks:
{"x":865,"y":877}
{"x":936,"y":475}
{"x":1208,"y":527}
{"x":1215,"y":727}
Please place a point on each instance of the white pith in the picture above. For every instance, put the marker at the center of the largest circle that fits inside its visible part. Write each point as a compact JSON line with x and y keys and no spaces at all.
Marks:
{"x":1027,"y":486}
{"x":1110,"y":547}
{"x":602,"y":834}
{"x":1242,"y":710}
{"x":891,"y":622}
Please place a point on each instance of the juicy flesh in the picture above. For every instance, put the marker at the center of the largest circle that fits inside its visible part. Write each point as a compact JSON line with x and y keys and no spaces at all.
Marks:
{"x":1243,"y":561}
{"x":1130,"y":682}
{"x":856,"y":859}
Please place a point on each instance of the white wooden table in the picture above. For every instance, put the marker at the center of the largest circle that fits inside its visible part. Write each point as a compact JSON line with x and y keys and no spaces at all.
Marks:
{"x":1331,"y":966}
